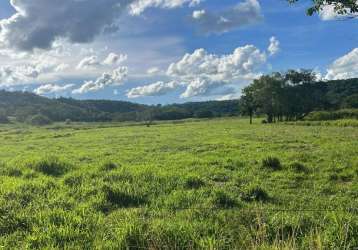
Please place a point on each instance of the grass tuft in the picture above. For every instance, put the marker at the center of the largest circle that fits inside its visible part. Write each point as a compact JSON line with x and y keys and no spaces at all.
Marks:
{"x":272,"y":163}
{"x":51,"y":166}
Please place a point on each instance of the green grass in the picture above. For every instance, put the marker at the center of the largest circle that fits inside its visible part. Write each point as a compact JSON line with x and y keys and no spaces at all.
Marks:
{"x":211,"y":184}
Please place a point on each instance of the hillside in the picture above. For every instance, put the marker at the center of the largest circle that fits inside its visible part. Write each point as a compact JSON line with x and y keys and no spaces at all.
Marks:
{"x":22,"y":105}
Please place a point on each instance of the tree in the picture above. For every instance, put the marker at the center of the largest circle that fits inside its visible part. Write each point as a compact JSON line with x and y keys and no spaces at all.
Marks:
{"x":247,"y":102}
{"x":343,"y":7}
{"x":39,"y":120}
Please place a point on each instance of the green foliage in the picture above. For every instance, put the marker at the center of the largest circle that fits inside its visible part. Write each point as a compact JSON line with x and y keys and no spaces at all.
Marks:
{"x":332,"y":115}
{"x":39,"y":120}
{"x":342,"y":7}
{"x":23,"y":106}
{"x":294,"y":94}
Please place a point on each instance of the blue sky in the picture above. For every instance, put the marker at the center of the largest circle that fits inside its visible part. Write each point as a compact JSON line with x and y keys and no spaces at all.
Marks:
{"x":102,"y":51}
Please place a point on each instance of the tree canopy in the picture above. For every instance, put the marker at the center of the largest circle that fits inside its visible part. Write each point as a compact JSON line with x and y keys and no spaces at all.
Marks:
{"x":340,"y":6}
{"x":294,"y":94}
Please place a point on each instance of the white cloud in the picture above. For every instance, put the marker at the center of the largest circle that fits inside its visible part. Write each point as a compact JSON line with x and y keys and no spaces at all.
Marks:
{"x":153,"y":71}
{"x":62,"y":67}
{"x":274,"y":46}
{"x":87,"y":62}
{"x":137,"y":7}
{"x":114,"y":78}
{"x":243,"y":14}
{"x":113,"y":59}
{"x":154,"y":89}
{"x":203,"y":73}
{"x":344,"y":67}
{"x":197,"y":14}
{"x":52,"y":88}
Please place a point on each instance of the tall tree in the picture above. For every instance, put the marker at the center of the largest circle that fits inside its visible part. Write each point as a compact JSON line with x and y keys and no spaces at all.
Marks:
{"x":247,"y":102}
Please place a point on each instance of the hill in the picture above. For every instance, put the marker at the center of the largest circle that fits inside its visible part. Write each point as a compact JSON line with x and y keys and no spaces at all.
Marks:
{"x":23,"y":105}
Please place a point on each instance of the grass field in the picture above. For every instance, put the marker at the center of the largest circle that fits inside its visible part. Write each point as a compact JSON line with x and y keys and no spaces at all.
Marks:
{"x":215,"y":184}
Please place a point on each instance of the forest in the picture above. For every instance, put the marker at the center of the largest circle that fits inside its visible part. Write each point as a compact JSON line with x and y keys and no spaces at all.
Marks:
{"x":279,"y":96}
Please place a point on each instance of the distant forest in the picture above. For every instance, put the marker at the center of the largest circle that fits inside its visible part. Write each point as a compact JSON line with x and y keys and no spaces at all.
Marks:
{"x":289,"y":96}
{"x":25,"y":106}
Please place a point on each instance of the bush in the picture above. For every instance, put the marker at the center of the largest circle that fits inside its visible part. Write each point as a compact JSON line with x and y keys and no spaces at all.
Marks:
{"x":332,"y":115}
{"x":272,"y":163}
{"x":51,"y":166}
{"x":39,"y":120}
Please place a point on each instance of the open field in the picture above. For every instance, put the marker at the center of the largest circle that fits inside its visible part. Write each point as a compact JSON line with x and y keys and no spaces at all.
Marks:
{"x":214,"y":184}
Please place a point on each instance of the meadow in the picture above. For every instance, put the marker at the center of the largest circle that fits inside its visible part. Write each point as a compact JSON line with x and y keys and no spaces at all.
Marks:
{"x":208,"y":184}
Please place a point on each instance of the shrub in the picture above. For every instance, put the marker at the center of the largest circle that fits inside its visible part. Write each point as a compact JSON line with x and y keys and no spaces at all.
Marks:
{"x":299,"y":167}
{"x":39,"y":120}
{"x":256,"y":194}
{"x":194,"y":182}
{"x":51,"y":166}
{"x":224,"y":200}
{"x":332,"y":115}
{"x":272,"y":163}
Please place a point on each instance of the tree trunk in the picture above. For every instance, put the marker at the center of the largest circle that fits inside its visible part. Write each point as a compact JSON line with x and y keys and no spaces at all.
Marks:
{"x":250,"y":118}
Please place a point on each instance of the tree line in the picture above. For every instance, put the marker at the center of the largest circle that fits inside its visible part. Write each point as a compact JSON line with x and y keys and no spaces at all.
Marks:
{"x":27,"y":107}
{"x":294,"y":94}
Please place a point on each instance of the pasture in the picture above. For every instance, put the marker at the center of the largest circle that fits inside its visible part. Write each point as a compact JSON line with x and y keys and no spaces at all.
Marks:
{"x":210,"y":184}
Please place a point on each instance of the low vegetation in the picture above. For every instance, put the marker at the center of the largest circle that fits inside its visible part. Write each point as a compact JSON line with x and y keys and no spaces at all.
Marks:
{"x":218,"y":184}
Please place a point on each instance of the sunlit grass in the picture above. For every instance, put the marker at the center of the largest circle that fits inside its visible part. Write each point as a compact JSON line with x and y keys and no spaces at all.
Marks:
{"x":213,"y":184}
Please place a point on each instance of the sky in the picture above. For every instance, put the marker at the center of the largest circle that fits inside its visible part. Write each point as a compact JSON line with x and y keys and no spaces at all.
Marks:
{"x":166,"y":51}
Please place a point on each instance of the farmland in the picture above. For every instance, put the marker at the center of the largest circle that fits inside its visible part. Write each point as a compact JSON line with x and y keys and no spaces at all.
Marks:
{"x":209,"y":184}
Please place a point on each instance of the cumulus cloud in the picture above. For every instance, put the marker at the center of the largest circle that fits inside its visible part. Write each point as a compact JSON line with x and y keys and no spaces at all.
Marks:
{"x":52,"y":88}
{"x":87,"y":62}
{"x":274,"y":46}
{"x":243,"y":14}
{"x":38,"y":24}
{"x":154,"y":89}
{"x":203,"y":73}
{"x":344,"y":67}
{"x":116,"y":77}
{"x":113,"y":59}
{"x":137,"y":7}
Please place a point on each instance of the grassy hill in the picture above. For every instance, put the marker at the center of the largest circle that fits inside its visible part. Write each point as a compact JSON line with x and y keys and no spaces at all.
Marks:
{"x":218,"y":184}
